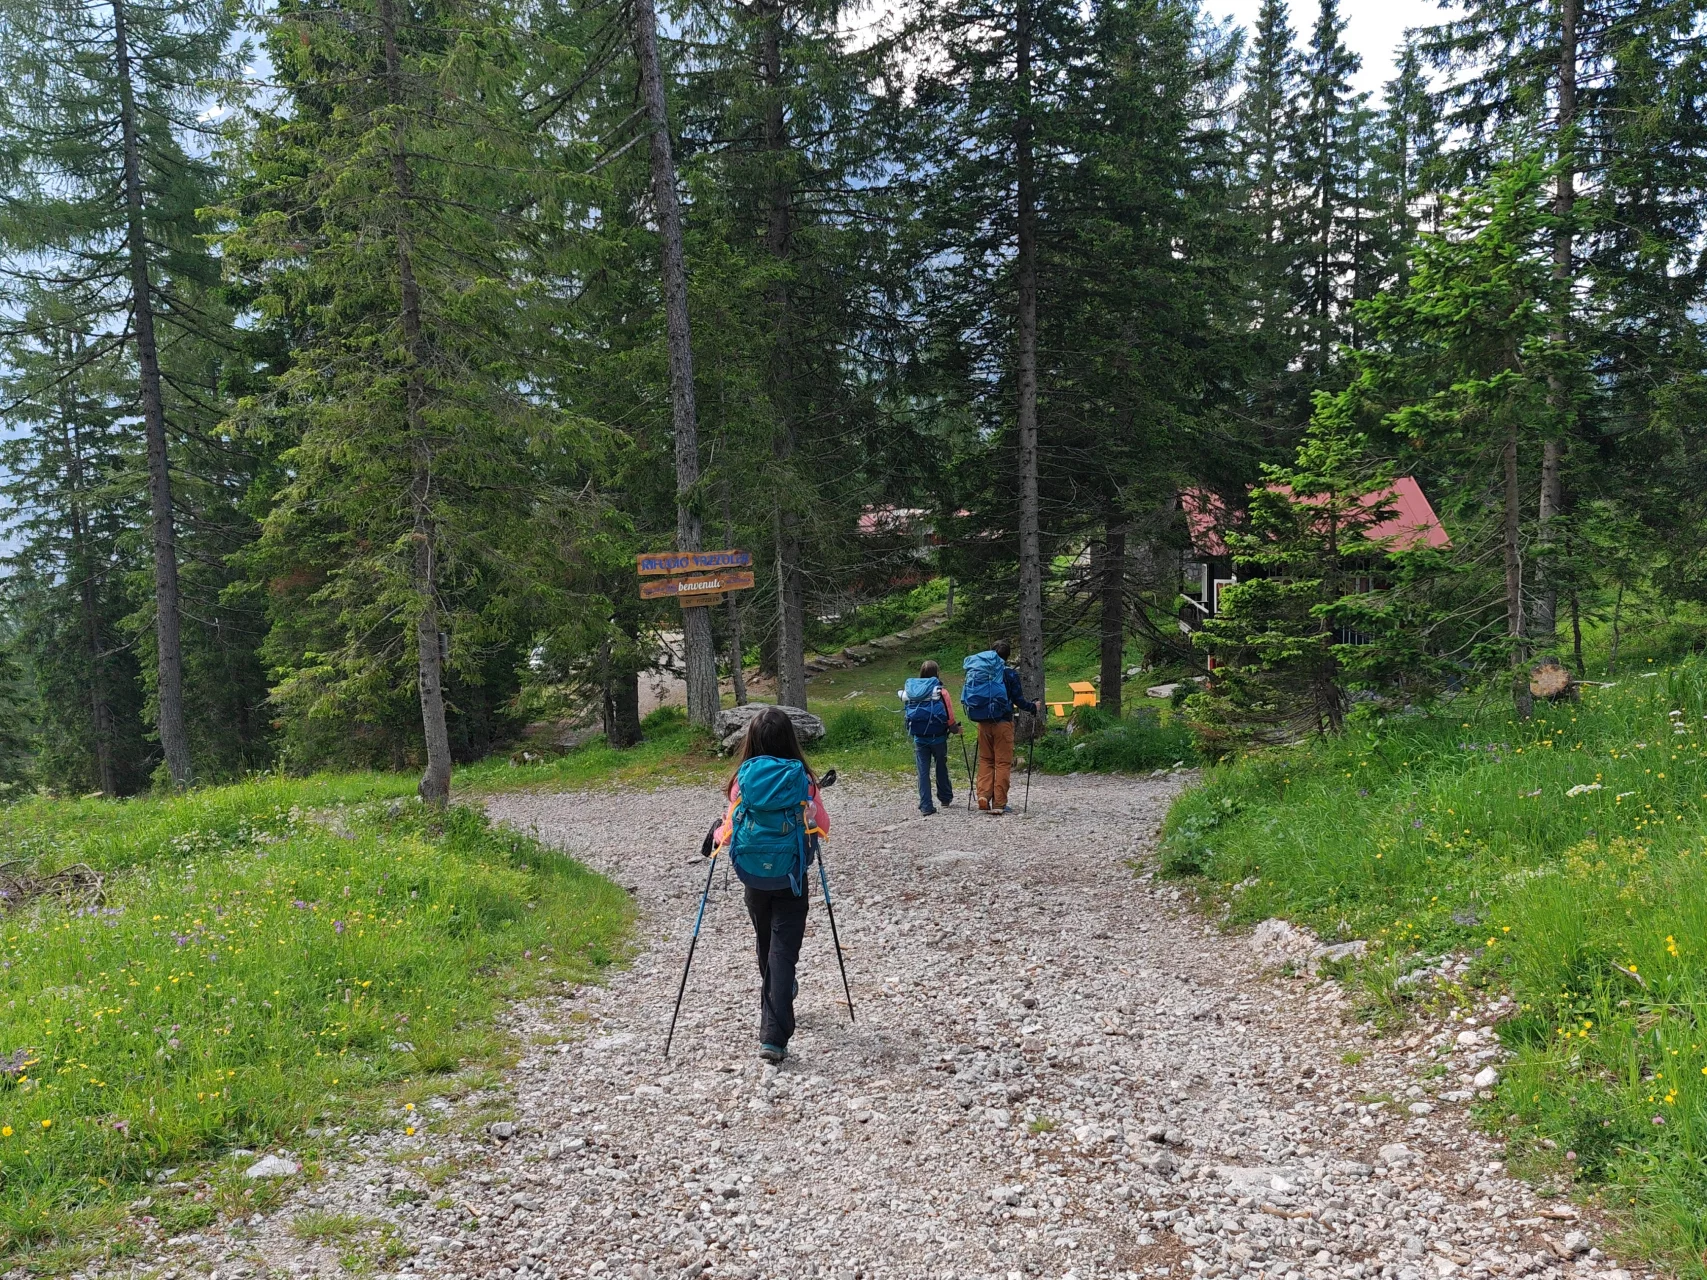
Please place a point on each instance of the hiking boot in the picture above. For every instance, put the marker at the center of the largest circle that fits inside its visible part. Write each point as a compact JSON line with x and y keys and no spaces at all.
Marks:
{"x":925,"y":813}
{"x":997,"y":810}
{"x":772,"y":1052}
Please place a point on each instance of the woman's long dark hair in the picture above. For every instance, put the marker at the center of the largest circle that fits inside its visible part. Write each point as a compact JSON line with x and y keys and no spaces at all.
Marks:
{"x":770,"y":733}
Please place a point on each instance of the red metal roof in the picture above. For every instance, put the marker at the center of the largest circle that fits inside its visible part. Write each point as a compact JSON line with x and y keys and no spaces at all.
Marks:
{"x":1413,"y":522}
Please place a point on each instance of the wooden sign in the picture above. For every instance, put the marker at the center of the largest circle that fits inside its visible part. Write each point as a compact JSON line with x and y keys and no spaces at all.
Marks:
{"x":701,"y":585}
{"x":695,"y":562}
{"x":701,"y":602}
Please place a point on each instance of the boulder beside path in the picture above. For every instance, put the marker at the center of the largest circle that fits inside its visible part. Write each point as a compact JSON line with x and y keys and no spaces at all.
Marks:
{"x":732,"y":722}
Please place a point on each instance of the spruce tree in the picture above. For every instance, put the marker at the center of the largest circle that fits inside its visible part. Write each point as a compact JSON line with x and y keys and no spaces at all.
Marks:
{"x":403,"y":205}
{"x":698,"y":647}
{"x":1147,"y":280}
{"x":1610,"y":89}
{"x":1266,"y":128}
{"x":70,"y":507}
{"x":995,"y":105}
{"x":1463,"y":366}
{"x":1284,"y":635}
{"x":1327,"y":168}
{"x":786,"y":131}
{"x":106,"y":143}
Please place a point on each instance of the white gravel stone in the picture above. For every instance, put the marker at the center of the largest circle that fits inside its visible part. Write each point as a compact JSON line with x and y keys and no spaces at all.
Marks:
{"x":271,"y":1167}
{"x":1057,"y":1069}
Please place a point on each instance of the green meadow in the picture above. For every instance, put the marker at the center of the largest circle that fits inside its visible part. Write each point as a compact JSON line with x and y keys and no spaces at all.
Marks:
{"x":256,"y":956}
{"x":1567,"y":854}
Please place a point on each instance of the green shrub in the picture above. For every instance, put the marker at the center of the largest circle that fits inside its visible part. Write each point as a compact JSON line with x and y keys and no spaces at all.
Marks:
{"x":1102,"y":744}
{"x":1192,"y":821}
{"x":854,"y":726}
{"x":665,"y":722}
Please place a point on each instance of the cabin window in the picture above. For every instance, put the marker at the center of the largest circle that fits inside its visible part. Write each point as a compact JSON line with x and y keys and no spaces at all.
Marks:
{"x":1194,"y":580}
{"x":1220,"y":584}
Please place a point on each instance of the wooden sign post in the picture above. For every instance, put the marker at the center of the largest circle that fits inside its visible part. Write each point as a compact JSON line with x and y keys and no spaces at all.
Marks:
{"x":673,"y":562}
{"x":695,"y":578}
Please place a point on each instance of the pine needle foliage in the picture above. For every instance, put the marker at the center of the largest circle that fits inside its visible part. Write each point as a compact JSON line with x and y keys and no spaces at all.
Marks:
{"x":407,"y":217}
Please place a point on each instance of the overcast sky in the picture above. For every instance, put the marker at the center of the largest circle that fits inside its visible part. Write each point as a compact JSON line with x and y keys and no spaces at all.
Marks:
{"x":1374,"y":28}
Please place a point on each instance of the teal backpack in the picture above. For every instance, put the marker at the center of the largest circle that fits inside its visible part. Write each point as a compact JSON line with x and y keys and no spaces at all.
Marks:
{"x":772,"y":839}
{"x":926,"y":712}
{"x":985,"y":695}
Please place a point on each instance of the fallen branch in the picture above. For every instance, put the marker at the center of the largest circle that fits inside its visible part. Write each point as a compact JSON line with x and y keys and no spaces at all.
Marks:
{"x":78,"y":883}
{"x":1631,"y":974}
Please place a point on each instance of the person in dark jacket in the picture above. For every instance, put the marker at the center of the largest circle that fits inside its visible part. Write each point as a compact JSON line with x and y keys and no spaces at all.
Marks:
{"x":996,"y":740}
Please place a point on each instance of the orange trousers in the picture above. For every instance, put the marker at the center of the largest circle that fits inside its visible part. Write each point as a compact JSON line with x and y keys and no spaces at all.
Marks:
{"x":995,"y":762}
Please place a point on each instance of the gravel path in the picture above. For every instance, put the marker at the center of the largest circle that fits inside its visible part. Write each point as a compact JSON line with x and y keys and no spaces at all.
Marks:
{"x":1057,"y":1070}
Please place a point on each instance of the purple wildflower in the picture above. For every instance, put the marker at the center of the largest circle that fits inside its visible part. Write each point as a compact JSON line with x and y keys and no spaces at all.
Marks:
{"x":337,"y":926}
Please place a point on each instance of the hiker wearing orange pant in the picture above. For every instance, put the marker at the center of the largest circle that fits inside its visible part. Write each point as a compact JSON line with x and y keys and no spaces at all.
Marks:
{"x":991,"y":693}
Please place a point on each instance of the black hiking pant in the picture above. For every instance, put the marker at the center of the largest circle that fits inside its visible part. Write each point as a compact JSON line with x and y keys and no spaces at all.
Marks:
{"x":779,"y":923}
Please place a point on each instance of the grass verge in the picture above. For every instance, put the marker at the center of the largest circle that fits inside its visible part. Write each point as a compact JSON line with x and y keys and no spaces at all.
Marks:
{"x":1568,"y":855}
{"x":865,"y":731}
{"x":261,"y":954}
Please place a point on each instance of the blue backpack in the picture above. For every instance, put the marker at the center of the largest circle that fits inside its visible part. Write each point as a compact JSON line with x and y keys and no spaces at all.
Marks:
{"x":772,"y":837}
{"x":985,"y":696}
{"x":927,"y":713}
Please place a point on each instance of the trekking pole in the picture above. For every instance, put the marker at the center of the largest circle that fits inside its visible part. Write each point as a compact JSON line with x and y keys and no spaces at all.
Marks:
{"x":824,"y":879}
{"x":692,"y":943}
{"x":1030,"y":754}
{"x":971,"y":786}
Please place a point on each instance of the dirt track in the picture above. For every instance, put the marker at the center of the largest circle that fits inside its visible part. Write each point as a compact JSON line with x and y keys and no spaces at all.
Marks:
{"x":1056,"y":1070}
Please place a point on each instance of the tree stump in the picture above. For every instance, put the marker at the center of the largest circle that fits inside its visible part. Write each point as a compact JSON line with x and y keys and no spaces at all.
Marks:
{"x":1552,"y":680}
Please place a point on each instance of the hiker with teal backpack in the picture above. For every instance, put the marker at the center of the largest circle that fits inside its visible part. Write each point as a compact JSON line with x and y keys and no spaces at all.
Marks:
{"x":930,"y":719}
{"x":771,"y":832}
{"x":991,"y":693}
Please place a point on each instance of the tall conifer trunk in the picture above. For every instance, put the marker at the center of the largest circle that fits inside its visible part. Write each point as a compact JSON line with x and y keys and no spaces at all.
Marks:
{"x":169,"y":655}
{"x":1544,"y":624}
{"x":1514,"y":574}
{"x":621,"y":712}
{"x":1112,"y":588}
{"x":1025,"y":267}
{"x":737,"y":640}
{"x":434,"y":787}
{"x":699,"y":649}
{"x":790,"y":592}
